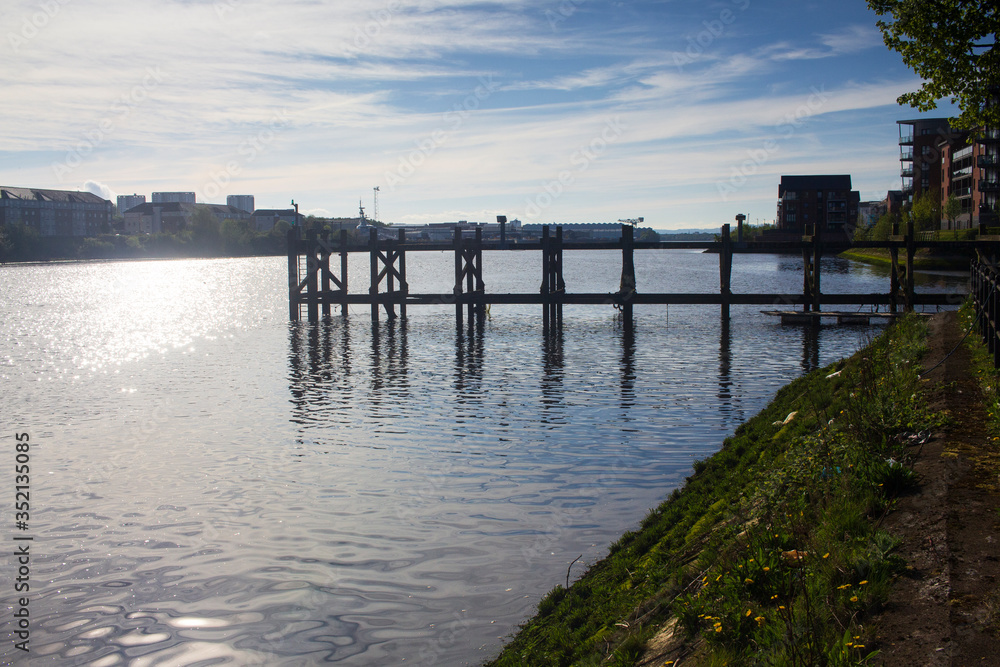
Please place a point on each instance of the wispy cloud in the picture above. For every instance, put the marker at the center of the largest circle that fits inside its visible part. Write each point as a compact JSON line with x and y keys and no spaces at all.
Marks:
{"x":361,"y":85}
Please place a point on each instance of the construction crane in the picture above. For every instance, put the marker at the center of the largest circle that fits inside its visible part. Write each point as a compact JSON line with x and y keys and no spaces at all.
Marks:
{"x":635,"y":222}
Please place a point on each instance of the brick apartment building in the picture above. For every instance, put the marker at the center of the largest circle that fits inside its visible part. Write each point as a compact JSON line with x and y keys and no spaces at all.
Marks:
{"x":826,"y":201}
{"x":969,"y":172}
{"x":55,"y":212}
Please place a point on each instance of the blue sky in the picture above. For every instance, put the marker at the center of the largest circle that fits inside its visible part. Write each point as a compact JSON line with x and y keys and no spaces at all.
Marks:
{"x":680,"y":111}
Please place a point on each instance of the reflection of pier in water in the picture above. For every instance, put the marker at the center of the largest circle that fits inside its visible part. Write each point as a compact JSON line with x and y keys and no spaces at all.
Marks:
{"x":330,"y":385}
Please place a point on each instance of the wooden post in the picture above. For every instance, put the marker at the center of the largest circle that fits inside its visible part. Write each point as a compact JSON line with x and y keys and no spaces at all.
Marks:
{"x":817,"y":272}
{"x":293,"y":273}
{"x":343,"y":270}
{"x":807,"y":276}
{"x":557,"y":276}
{"x":324,"y":274}
{"x":726,"y":271}
{"x":893,"y":278}
{"x":477,"y":267}
{"x":545,"y":278}
{"x":404,"y":287}
{"x":627,"y":286}
{"x":312,"y":269}
{"x":910,"y":250}
{"x":373,"y":260}
{"x":458,"y":276}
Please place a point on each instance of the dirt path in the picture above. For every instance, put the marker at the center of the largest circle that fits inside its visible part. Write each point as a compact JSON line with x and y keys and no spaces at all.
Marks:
{"x":947,"y":611}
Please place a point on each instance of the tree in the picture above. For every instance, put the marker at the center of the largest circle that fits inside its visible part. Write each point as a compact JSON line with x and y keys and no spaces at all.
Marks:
{"x":951,"y":44}
{"x":926,"y":212}
{"x":952,"y":209}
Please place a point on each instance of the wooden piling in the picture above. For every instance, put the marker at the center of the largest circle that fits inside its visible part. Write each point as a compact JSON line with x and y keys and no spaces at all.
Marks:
{"x":373,"y":262}
{"x":910,"y":251}
{"x":817,"y":268}
{"x":458,"y":277}
{"x":312,"y":283}
{"x":324,"y":271}
{"x":546,"y":284}
{"x":627,"y":286}
{"x":807,"y":277}
{"x":726,"y":271}
{"x":343,"y":272}
{"x":292,"y":238}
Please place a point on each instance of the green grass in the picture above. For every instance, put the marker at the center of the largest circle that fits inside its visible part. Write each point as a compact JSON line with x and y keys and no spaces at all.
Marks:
{"x":922,"y":260}
{"x":771,"y":554}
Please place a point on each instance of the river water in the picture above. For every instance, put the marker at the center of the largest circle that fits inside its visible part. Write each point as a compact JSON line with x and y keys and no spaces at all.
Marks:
{"x":210,"y":484}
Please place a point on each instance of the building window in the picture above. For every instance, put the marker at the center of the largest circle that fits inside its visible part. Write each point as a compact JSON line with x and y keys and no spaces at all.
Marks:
{"x":790,"y":217}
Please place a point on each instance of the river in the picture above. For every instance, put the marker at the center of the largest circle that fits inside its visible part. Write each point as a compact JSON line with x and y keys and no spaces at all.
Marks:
{"x":211,"y":484}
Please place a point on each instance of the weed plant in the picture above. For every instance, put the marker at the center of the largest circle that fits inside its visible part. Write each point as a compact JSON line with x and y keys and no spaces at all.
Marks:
{"x":772,"y":552}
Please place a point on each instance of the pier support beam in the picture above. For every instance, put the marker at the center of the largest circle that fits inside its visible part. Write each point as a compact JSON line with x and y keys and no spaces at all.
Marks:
{"x":553,"y":285}
{"x":726,"y":271}
{"x":312,"y":274}
{"x":293,"y":274}
{"x":627,"y":286}
{"x":388,"y":265}
{"x":469,"y":270}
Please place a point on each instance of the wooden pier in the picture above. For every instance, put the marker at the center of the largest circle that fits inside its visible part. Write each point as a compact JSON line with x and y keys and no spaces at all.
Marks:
{"x":315,"y":288}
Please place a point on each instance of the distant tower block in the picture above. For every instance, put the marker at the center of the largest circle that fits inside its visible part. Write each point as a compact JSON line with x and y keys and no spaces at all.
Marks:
{"x":375,"y":208}
{"x":242,"y":202}
{"x":125,"y":202}
{"x":171,"y":197}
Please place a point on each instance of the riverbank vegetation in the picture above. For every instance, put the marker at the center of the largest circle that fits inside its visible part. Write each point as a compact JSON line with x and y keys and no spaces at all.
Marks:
{"x":772,"y":553}
{"x":205,"y":236}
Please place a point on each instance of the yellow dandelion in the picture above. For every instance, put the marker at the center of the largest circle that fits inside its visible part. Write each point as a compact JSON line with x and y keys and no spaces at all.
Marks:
{"x":748,"y":580}
{"x":760,"y":621}
{"x":718,"y":577}
{"x":749,"y":611}
{"x":826,"y":555}
{"x":854,"y":598}
{"x":767,"y":569}
{"x":865,"y":581}
{"x":840,"y":588}
{"x":781,"y":607}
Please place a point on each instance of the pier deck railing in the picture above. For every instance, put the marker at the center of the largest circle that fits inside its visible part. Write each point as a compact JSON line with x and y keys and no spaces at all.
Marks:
{"x":316,"y":288}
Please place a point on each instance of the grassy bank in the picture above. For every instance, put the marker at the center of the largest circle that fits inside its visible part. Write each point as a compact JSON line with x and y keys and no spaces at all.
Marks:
{"x":772,"y":552}
{"x":923,"y":260}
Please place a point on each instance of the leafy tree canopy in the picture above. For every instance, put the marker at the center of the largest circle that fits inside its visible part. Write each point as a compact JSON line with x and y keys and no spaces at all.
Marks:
{"x":951,"y":44}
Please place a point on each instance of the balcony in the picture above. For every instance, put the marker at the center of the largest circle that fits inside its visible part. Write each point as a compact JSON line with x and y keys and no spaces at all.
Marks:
{"x":905,"y":154}
{"x":906,"y":140}
{"x":987,"y":161}
{"x":989,"y":186}
{"x":965,"y":172}
{"x":961,"y":154}
{"x":906,"y":172}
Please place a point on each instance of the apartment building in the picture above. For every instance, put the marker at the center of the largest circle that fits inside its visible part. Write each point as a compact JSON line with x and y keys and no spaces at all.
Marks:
{"x":55,"y":212}
{"x":969,"y":173}
{"x":823,"y":202}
